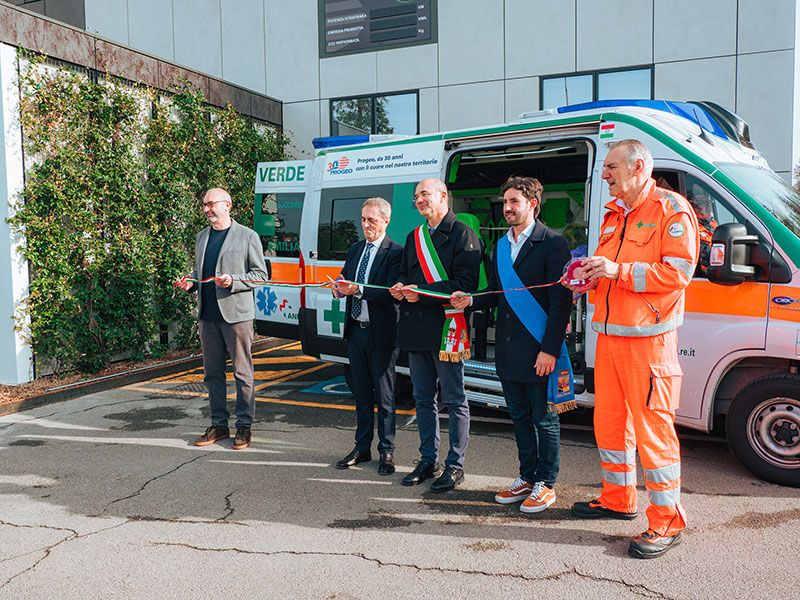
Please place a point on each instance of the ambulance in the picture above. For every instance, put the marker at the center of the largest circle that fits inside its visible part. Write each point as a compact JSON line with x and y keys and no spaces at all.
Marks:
{"x":740,"y":340}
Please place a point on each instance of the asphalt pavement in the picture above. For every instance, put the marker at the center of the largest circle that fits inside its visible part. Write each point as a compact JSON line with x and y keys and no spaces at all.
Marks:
{"x":105,"y":496}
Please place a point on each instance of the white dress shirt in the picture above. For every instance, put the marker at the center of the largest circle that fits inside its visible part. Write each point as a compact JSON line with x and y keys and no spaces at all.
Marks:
{"x":516,"y":246}
{"x":364,"y":316}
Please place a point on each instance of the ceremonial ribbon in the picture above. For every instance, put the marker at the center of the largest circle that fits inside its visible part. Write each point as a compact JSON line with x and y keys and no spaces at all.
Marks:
{"x":331,"y":282}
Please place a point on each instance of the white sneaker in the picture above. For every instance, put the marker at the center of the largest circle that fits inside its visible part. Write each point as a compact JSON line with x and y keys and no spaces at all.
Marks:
{"x":516,"y":492}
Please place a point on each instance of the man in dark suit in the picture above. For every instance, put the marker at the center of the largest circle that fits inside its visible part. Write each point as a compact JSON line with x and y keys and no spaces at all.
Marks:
{"x":524,"y":363}
{"x":370,"y":331}
{"x":442,"y":255}
{"x":231,"y":257}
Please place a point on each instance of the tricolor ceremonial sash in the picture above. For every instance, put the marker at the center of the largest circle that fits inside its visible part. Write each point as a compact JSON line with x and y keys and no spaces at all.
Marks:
{"x":455,"y":338}
{"x":560,"y":383}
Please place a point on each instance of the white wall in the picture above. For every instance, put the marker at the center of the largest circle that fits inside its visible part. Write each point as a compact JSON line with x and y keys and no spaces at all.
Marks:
{"x":16,"y":359}
{"x":490,"y":56}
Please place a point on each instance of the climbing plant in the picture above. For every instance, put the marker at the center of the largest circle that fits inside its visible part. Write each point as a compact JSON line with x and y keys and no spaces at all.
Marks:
{"x":111,"y":206}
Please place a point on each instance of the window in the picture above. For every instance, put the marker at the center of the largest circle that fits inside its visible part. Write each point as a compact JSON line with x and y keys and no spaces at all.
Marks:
{"x":711,"y":211}
{"x":562,"y":91}
{"x":277,"y":221}
{"x":710,"y":208}
{"x":386,"y":114}
{"x":340,"y":218}
{"x":633,"y":84}
{"x":602,"y":85}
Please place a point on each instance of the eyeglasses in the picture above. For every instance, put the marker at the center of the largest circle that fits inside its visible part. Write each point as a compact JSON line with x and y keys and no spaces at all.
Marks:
{"x":212,"y":203}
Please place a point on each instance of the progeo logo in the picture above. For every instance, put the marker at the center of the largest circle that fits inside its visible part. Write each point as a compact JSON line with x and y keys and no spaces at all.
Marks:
{"x":339,"y":166}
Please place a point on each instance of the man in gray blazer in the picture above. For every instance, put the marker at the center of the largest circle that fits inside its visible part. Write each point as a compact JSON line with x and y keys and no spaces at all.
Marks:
{"x":232,"y":254}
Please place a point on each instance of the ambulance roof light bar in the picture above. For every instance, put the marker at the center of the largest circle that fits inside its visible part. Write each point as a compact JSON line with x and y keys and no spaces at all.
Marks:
{"x":711,"y":117}
{"x":352,"y":140}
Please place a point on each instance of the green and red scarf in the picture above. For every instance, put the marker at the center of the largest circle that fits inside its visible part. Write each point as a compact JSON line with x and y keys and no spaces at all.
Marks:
{"x":455,"y":337}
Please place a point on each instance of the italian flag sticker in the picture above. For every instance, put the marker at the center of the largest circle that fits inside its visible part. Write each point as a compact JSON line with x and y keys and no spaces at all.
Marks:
{"x":607,"y":130}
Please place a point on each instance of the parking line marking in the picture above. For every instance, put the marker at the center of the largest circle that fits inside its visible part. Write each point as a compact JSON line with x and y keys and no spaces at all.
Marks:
{"x":351,"y":481}
{"x":290,"y":376}
{"x":271,"y":463}
{"x":448,"y":502}
{"x":269,"y":360}
{"x":399,"y":411}
{"x":258,"y":353}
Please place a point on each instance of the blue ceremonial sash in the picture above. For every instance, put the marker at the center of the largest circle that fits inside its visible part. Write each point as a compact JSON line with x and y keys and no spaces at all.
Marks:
{"x":560,"y":383}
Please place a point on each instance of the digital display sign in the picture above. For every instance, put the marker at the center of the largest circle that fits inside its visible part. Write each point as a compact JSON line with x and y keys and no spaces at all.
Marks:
{"x":348,"y":26}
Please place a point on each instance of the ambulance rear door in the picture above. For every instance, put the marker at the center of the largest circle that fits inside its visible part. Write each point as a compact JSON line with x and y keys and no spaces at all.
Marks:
{"x":279,"y":195}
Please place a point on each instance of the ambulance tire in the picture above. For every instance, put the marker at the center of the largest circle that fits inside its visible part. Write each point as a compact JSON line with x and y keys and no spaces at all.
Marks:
{"x":763,"y":428}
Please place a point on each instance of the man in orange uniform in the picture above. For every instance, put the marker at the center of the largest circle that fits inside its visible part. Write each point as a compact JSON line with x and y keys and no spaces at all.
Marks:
{"x":645,"y":258}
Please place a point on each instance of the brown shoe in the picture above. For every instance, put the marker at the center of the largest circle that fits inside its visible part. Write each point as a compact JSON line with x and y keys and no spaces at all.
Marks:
{"x":242,"y":439}
{"x":212,"y":435}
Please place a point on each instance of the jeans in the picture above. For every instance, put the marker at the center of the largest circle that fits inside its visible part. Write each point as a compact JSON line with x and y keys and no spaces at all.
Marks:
{"x":426,"y":369}
{"x":537,"y":429}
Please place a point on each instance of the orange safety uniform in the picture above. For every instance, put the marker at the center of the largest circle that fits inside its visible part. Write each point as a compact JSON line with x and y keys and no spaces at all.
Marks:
{"x":637,"y":375}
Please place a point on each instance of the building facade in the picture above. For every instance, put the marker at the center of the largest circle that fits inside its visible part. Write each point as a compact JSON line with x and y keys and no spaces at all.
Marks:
{"x":328,"y":67}
{"x":482,"y":62}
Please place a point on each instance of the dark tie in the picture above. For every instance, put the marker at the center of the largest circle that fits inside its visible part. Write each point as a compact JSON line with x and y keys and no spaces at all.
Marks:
{"x":361,"y":277}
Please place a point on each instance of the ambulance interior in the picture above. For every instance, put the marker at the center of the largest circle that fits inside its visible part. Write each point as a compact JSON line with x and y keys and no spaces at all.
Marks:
{"x":475,"y":178}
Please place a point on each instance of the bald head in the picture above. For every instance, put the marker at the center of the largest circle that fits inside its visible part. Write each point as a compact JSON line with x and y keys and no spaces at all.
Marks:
{"x":217,"y":204}
{"x":430,"y":198}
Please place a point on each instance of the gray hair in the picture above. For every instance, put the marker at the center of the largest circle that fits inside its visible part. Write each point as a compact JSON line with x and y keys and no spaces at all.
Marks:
{"x":384,"y":208}
{"x":635,"y":150}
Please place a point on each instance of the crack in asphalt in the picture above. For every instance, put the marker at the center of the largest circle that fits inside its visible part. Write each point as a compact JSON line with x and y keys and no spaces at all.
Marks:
{"x":65,"y":414}
{"x":636,"y":588}
{"x":146,"y":519}
{"x":73,"y":535}
{"x":228,"y":507}
{"x":83,"y":410}
{"x":10,"y":425}
{"x":148,"y":482}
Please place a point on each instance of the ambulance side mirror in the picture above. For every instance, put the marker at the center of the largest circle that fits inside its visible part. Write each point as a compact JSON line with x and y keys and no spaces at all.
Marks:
{"x":729,"y":262}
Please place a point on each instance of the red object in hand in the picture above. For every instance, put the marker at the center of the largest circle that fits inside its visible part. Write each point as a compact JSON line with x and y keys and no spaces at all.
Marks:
{"x":573,"y":276}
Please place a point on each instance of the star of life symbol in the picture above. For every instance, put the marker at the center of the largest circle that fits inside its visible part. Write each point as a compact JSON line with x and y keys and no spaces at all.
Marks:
{"x":266,"y":300}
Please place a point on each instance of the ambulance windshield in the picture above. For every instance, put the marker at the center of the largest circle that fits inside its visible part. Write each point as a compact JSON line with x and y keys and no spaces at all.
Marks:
{"x":770,"y":190}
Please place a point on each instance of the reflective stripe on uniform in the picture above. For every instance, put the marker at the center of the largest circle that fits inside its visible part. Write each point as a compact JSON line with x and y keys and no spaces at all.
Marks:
{"x":620,"y":477}
{"x":639,"y":277}
{"x":664,"y":474}
{"x":665,"y":497}
{"x":618,"y":457}
{"x":674,"y":202}
{"x":639,"y":330}
{"x":683,"y":265}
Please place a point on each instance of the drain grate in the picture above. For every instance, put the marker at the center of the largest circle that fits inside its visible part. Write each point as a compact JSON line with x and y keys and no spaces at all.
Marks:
{"x":190,"y":387}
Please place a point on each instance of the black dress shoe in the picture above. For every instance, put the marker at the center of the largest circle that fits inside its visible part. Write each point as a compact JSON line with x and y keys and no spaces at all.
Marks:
{"x":386,"y":466}
{"x":594,"y":510}
{"x":352,"y":459}
{"x":448,"y":480}
{"x":420,"y":473}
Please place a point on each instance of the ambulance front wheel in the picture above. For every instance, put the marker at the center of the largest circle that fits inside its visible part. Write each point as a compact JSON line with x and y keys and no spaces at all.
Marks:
{"x":763,"y":428}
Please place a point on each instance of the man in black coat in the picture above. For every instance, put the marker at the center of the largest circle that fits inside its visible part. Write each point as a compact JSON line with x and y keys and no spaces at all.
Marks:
{"x":524,"y":363}
{"x":453,"y":255}
{"x":370,"y":331}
